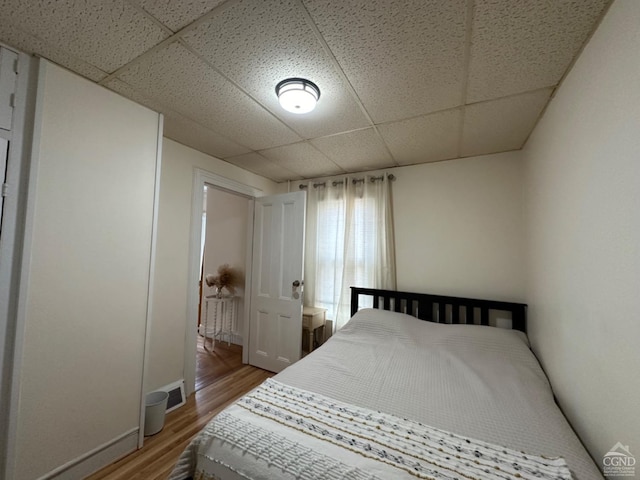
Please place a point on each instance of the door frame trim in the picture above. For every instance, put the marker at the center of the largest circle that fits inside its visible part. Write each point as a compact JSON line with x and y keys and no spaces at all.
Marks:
{"x":18,"y":219}
{"x":201,"y":178}
{"x":152,"y":276}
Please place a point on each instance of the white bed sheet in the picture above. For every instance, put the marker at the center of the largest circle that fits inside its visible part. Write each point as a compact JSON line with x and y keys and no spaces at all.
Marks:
{"x":476,"y":381}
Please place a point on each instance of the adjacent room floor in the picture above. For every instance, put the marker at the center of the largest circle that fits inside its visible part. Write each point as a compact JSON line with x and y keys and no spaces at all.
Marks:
{"x":212,"y":365}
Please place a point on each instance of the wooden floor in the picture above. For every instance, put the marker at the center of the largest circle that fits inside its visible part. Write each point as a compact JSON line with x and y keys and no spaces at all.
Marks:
{"x":221,"y":378}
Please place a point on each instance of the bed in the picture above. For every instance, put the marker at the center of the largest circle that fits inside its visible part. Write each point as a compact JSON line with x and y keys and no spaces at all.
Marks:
{"x":416,"y":386}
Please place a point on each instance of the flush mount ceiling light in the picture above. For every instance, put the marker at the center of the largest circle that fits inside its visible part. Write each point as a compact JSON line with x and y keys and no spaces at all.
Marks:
{"x":297,"y":95}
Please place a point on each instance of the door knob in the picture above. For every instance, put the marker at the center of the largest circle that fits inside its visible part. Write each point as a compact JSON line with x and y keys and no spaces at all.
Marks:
{"x":294,"y":288}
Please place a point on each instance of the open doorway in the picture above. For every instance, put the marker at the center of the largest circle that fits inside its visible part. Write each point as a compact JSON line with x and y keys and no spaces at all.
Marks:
{"x":223,"y":300}
{"x":202,"y":178}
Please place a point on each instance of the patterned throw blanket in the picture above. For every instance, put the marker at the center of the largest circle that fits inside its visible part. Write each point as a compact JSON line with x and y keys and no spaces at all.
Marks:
{"x":414,"y":450}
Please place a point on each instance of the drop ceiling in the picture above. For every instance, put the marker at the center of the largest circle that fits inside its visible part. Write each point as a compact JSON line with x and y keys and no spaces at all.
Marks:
{"x":402,"y":81}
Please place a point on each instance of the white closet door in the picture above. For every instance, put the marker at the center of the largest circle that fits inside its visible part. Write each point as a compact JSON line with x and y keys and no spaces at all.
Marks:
{"x":8,"y":63}
{"x":86,"y":306}
{"x":4,"y":150}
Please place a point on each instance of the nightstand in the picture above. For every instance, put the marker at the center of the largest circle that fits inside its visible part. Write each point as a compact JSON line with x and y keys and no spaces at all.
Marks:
{"x":312,"y":318}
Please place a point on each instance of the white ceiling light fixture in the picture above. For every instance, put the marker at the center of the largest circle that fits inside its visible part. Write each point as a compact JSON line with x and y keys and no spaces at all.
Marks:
{"x":297,"y":95}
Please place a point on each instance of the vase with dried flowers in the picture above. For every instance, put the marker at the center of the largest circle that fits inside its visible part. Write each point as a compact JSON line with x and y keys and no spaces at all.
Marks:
{"x":227,"y":278}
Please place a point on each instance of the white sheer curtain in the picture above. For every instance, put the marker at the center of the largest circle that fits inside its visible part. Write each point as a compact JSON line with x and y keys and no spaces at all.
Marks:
{"x":349,"y":242}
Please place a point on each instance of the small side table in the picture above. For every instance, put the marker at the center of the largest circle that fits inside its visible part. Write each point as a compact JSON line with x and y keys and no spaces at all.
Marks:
{"x":221,"y":313}
{"x":312,"y":319}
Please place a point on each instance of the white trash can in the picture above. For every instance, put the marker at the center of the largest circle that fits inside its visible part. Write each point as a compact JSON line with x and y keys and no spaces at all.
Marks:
{"x":155,"y":409}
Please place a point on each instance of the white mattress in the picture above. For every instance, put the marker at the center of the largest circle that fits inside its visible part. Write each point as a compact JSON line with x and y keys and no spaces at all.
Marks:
{"x":476,"y":381}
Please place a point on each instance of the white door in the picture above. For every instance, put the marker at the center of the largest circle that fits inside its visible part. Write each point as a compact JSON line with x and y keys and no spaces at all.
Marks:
{"x":4,"y":151}
{"x":276,"y":287}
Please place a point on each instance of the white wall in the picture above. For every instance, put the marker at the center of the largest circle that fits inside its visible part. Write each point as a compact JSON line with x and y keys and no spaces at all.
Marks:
{"x":459,"y":227}
{"x":166,"y":355}
{"x":583,"y":195}
{"x":226,"y":243}
{"x":88,"y":272}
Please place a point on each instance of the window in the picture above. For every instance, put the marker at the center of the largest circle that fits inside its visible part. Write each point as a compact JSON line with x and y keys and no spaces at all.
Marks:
{"x":349,"y":243}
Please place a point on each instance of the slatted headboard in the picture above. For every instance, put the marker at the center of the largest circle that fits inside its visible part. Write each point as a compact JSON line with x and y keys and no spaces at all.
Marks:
{"x":439,"y":308}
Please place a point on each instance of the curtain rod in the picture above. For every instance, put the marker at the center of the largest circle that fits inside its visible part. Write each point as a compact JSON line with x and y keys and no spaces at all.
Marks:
{"x":355,"y":181}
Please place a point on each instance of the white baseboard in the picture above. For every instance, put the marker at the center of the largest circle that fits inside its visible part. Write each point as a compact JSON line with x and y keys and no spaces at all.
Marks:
{"x":97,"y":458}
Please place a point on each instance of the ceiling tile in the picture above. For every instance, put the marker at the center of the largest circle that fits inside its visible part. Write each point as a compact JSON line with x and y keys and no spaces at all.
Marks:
{"x":256,"y":163}
{"x":401,"y":64}
{"x":174,"y":77}
{"x":176,"y":14}
{"x":188,"y":132}
{"x":403,"y":57}
{"x":501,"y":125}
{"x":131,"y":93}
{"x":258,"y":44}
{"x":179,"y":128}
{"x":355,"y":151}
{"x":104,"y":34}
{"x":28,"y":43}
{"x":520,"y":45}
{"x":424,"y":139}
{"x":303,"y":159}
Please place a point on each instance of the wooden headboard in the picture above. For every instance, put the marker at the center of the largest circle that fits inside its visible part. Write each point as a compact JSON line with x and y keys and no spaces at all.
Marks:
{"x":439,"y":308}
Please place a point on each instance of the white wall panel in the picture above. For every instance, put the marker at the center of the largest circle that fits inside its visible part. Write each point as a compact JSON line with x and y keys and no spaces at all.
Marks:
{"x":459,"y":227}
{"x":583,"y":273}
{"x":88,"y":274}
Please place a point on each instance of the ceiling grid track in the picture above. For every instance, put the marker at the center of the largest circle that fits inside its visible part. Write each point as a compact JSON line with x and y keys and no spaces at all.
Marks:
{"x":158,"y":23}
{"x":403,"y":82}
{"x":343,"y":76}
{"x":237,"y":86}
{"x":465,"y":73}
{"x":173,"y":38}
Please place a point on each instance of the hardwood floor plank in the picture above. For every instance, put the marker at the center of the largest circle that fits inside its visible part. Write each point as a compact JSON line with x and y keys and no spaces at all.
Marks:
{"x":222,"y":379}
